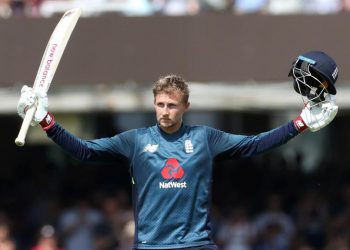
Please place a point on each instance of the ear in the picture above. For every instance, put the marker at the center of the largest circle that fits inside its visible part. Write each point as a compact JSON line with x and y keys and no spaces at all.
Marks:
{"x":187,"y":105}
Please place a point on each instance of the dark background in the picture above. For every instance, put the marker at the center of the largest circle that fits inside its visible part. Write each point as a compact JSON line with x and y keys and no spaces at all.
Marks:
{"x":38,"y":181}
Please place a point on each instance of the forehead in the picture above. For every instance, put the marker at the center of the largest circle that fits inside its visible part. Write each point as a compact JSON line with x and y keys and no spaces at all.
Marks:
{"x":174,"y":96}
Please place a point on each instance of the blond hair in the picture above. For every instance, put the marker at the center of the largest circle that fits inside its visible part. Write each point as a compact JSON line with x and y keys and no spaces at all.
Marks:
{"x":170,"y":83}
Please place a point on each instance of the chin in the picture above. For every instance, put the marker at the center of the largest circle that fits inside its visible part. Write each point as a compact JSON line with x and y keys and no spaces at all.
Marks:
{"x":166,"y":125}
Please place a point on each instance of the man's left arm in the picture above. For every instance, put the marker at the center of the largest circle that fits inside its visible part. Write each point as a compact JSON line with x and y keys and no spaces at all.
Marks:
{"x":313,"y":117}
{"x":238,"y":146}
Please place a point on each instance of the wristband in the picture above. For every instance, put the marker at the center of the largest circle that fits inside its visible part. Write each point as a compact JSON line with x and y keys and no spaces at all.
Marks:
{"x":299,"y":124}
{"x":47,"y":122}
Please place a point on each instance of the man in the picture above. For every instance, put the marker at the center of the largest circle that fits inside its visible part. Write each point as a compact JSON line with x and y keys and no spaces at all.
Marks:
{"x":171,"y":163}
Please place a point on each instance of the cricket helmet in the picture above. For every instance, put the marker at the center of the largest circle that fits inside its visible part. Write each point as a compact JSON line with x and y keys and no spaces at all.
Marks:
{"x":314,"y":74}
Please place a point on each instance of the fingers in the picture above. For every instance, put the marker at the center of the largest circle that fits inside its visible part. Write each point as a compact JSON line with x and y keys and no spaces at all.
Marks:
{"x":26,"y":100}
{"x":326,"y":116}
{"x":330,"y":98}
{"x":25,"y":88}
{"x":319,"y":116}
{"x":40,"y":93}
{"x":31,"y":93}
{"x":42,"y":106}
{"x":30,"y":97}
{"x":333,"y":112}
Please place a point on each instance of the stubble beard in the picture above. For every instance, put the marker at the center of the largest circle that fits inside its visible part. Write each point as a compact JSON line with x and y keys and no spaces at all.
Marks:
{"x":166,"y":123}
{"x":168,"y":126}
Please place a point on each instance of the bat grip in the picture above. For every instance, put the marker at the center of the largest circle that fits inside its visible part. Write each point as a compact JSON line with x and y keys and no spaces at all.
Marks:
{"x":20,"y":140}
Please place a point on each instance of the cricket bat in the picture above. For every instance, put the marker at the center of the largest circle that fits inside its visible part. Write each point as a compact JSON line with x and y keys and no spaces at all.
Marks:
{"x":49,"y":62}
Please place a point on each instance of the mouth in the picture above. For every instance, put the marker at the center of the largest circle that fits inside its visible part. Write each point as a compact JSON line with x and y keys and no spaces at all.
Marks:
{"x":164,"y":120}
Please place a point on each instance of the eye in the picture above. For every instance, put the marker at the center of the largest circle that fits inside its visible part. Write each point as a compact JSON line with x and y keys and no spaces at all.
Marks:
{"x":172,"y":105}
{"x":160,"y":104}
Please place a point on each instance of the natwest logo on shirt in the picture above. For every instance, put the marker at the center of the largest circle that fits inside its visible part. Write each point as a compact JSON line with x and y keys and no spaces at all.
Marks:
{"x":172,"y":170}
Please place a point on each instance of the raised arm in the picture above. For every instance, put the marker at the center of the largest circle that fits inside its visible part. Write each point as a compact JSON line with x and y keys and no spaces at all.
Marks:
{"x":104,"y":149}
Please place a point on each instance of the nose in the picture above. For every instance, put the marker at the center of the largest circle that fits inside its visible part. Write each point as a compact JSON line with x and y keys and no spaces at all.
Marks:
{"x":165,"y":110}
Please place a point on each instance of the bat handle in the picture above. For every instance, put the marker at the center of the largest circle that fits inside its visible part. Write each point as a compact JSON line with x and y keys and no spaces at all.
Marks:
{"x":20,"y":140}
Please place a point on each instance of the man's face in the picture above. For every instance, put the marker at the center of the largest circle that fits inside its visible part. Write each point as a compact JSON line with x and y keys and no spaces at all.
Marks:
{"x":169,"y":110}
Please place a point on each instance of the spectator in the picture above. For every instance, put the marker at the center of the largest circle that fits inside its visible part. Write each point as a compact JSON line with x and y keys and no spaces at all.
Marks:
{"x":216,"y":5}
{"x":339,"y":240}
{"x":346,"y":5}
{"x":8,"y":244}
{"x":180,"y":7}
{"x":311,"y":217}
{"x":236,"y":232}
{"x":32,"y":8}
{"x":18,"y":7}
{"x":284,"y":7}
{"x":5,"y":227}
{"x":5,"y":9}
{"x":77,"y":225}
{"x":117,"y":214}
{"x":273,"y":228}
{"x":47,"y":239}
{"x":127,"y":236}
{"x":250,"y":6}
{"x":6,"y":240}
{"x":323,"y":7}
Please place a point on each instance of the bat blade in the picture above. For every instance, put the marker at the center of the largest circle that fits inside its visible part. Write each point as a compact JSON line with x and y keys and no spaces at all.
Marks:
{"x":49,"y":63}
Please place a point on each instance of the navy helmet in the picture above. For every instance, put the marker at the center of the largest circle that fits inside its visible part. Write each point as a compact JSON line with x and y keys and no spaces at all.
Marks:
{"x":314,"y":74}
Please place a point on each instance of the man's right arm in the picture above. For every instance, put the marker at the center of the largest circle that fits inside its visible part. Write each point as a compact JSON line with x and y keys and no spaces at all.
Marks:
{"x":69,"y":142}
{"x":104,"y":149}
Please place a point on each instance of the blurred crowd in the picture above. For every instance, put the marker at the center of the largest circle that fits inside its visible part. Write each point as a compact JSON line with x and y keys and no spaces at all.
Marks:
{"x":257,"y":205}
{"x":47,"y":8}
{"x":84,"y":225}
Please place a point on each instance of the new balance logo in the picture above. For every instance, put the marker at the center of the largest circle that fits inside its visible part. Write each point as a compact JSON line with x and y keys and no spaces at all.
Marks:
{"x":150,"y":148}
{"x":299,"y":124}
{"x":48,"y":119}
